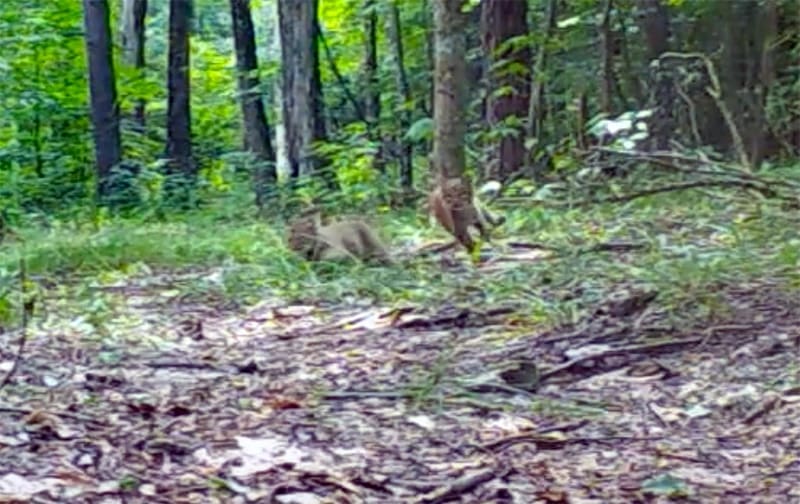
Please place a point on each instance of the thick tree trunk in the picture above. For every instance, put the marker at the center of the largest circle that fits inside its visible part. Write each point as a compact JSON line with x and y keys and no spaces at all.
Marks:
{"x":179,"y":137}
{"x":449,"y":87}
{"x":404,"y":90}
{"x":654,"y":23}
{"x":103,"y":93}
{"x":501,"y":21}
{"x":301,"y":88}
{"x":134,"y":13}
{"x":256,"y":127}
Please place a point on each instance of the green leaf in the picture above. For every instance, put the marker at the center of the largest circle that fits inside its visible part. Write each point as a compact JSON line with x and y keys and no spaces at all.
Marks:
{"x":420,"y":130}
{"x":666,"y":485}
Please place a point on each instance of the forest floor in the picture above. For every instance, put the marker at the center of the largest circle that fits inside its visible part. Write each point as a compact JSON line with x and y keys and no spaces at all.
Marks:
{"x":166,"y":398}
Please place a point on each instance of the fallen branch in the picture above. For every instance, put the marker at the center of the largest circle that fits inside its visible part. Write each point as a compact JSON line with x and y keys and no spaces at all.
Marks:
{"x":677,"y":187}
{"x":669,"y":159}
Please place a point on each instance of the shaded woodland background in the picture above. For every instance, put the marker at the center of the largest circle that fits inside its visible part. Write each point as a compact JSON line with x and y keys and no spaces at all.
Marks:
{"x":337,"y":96}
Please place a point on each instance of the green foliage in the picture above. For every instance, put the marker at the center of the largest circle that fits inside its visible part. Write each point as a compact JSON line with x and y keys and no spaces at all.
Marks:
{"x":9,"y":305}
{"x":421,"y":129}
{"x":719,"y":243}
{"x":43,"y":122}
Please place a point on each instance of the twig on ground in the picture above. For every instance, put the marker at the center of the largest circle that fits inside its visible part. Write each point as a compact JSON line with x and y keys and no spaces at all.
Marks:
{"x":769,"y":403}
{"x":462,"y":485}
{"x":621,"y":351}
{"x":63,"y":414}
{"x":544,"y":443}
{"x":367,"y":394}
{"x":27,"y":307}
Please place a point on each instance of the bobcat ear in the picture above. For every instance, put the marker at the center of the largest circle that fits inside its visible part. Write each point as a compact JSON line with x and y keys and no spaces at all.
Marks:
{"x":313,"y":213}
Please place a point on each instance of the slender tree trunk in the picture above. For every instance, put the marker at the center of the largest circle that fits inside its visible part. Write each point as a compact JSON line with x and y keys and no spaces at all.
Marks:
{"x":274,"y":50}
{"x":404,"y":90}
{"x":761,"y":83}
{"x":179,"y":138}
{"x":103,"y":92}
{"x":134,"y":13}
{"x":302,"y":90}
{"x":372,"y":92}
{"x":501,"y":21}
{"x":449,"y":88}
{"x":607,"y":59}
{"x":256,"y":127}
{"x":430,"y":43}
{"x":537,"y":113}
{"x":739,"y":68}
{"x":320,"y":134}
{"x":631,"y":76}
{"x":37,"y":112}
{"x":372,"y":97}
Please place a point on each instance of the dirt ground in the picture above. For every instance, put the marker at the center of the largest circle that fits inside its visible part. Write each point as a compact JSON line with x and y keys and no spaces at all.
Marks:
{"x":166,"y":400}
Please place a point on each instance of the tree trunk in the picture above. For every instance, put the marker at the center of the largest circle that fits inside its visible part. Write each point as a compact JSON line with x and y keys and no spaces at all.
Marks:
{"x":372,"y":97}
{"x":537,"y":112}
{"x":501,"y":21}
{"x":427,"y":104}
{"x":762,"y":82}
{"x":301,"y":87}
{"x":103,"y":93}
{"x":134,"y":13}
{"x":181,"y":166}
{"x":630,"y":74}
{"x":274,"y":50}
{"x":654,"y":23}
{"x":449,"y":88}
{"x":256,"y":127}
{"x":317,"y":102}
{"x":372,"y":93}
{"x":606,"y":59}
{"x":739,"y":73}
{"x":395,"y":34}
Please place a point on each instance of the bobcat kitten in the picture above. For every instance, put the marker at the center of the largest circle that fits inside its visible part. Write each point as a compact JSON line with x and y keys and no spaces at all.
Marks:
{"x":337,"y":240}
{"x":454,"y":206}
